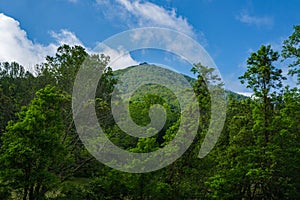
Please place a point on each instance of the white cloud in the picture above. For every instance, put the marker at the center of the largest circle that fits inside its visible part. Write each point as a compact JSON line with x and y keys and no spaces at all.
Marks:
{"x":246,"y":18}
{"x":73,"y":1}
{"x":233,"y":84}
{"x":140,"y":14}
{"x":17,"y":47}
{"x":120,"y":59}
{"x":146,"y":14}
{"x":66,"y":37}
{"x":247,"y":94}
{"x":102,"y":2}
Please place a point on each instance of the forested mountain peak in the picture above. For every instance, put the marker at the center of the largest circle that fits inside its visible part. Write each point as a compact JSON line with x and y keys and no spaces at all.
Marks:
{"x":118,"y":73}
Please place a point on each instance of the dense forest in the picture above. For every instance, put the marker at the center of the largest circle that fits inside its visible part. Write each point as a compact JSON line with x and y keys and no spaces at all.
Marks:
{"x":256,"y":157}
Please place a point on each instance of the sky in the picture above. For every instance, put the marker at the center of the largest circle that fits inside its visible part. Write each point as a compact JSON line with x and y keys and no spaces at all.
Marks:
{"x":229,"y":30}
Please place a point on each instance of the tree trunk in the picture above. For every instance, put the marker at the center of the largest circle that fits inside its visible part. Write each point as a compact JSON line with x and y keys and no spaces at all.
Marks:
{"x":31,"y":197}
{"x":25,"y":192}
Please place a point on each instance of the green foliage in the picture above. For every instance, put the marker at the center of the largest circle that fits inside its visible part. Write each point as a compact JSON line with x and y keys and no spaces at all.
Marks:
{"x":31,"y":145}
{"x":291,"y":49}
{"x":262,"y":77}
{"x":254,"y":162}
{"x":16,"y":90}
{"x":265,"y":80}
{"x":42,"y":157}
{"x":61,"y":69}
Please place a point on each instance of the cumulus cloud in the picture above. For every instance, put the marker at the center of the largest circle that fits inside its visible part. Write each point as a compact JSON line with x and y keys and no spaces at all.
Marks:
{"x":120,"y":58}
{"x":246,"y":18}
{"x":146,"y":14}
{"x":140,"y":14}
{"x":66,"y":37}
{"x":17,"y":47}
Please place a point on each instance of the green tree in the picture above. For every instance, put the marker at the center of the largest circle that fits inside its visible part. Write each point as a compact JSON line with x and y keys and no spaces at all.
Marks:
{"x":287,"y":145}
{"x":32,"y":146}
{"x":17,"y":90}
{"x":291,"y":49}
{"x":266,"y":81}
{"x":247,"y":166}
{"x":237,"y":156}
{"x":60,"y":70}
{"x":6,"y":110}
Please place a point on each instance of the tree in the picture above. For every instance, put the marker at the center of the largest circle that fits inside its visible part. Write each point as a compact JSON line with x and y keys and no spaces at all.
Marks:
{"x":235,"y":155}
{"x":287,"y":144}
{"x":265,"y":80}
{"x":6,"y":111}
{"x":247,"y":167}
{"x":61,"y":69}
{"x":32,"y":146}
{"x":17,"y":90}
{"x":291,"y":49}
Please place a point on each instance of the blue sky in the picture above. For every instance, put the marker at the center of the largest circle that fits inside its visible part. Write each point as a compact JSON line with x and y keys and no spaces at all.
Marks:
{"x":228,"y":30}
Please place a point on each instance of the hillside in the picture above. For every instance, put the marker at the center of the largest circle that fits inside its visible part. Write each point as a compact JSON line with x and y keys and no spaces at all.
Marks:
{"x":120,"y":72}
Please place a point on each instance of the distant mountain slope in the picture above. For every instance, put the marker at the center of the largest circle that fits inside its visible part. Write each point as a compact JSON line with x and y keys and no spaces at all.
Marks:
{"x":120,"y":72}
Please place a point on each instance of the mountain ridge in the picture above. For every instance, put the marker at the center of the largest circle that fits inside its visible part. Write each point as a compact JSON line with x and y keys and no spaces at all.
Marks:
{"x":191,"y":80}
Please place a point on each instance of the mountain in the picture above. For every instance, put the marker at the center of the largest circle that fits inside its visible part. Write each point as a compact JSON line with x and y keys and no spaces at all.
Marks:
{"x":120,"y":72}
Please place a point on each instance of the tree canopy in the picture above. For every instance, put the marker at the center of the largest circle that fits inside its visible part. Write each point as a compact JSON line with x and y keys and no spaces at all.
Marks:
{"x":257,"y":155}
